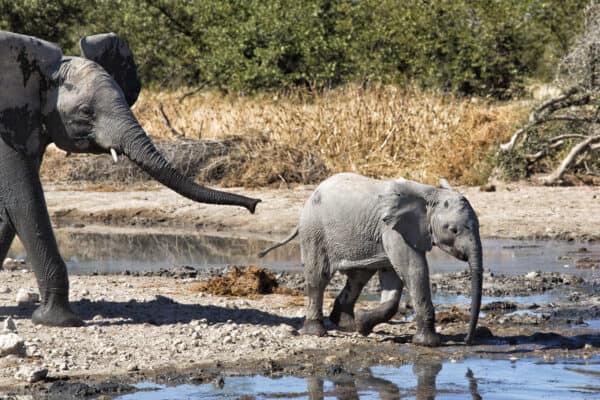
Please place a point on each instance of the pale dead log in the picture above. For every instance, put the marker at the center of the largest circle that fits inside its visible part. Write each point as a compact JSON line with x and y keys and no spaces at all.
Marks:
{"x":568,"y":136}
{"x":579,"y":148}
{"x":547,"y":107}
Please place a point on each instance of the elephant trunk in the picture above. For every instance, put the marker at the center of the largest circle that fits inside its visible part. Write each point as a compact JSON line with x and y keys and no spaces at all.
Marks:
{"x":476,"y":267}
{"x":138,"y":147}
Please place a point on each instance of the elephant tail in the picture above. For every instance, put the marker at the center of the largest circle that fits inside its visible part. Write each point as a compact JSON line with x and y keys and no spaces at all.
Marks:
{"x":276,"y":245}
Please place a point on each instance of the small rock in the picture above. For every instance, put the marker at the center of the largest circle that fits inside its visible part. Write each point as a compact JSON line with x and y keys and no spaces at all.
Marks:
{"x":25,"y":296}
{"x":11,"y":343}
{"x":331,"y":359}
{"x":4,"y":289}
{"x":9,"y":325}
{"x":85,"y":292}
{"x":488,"y":187}
{"x":532,"y":275}
{"x":32,"y":374}
{"x":133,"y":368}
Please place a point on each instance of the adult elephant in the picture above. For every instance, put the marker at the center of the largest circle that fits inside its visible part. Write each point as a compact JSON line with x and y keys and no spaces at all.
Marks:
{"x":82,"y":104}
{"x":357,"y":225}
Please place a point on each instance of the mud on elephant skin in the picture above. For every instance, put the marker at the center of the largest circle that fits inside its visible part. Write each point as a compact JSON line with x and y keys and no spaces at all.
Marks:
{"x":357,"y":225}
{"x":81,"y":104}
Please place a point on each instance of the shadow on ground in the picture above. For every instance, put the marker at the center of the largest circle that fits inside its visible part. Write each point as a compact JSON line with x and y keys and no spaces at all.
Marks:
{"x":162,"y":311}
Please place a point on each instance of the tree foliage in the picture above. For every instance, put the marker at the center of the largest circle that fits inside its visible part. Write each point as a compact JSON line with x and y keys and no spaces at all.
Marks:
{"x":466,"y":46}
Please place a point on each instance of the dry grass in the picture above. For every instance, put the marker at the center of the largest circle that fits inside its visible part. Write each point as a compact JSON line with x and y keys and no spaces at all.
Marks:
{"x":302,"y":137}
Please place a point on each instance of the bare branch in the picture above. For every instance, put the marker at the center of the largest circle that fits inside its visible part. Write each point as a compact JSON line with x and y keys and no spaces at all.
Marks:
{"x":568,"y":136}
{"x":541,"y":114}
{"x":578,"y":149}
{"x":175,"y":132}
{"x":192,"y":92}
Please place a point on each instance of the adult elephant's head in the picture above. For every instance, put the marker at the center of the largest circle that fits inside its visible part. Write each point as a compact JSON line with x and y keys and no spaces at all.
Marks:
{"x":427,"y":216}
{"x":82,"y":104}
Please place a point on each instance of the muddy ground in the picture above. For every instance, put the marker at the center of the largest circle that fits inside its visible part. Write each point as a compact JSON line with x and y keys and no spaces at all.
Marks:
{"x":159,"y":326}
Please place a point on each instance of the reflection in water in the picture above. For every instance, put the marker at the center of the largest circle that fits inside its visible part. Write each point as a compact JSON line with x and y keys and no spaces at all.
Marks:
{"x":87,"y":251}
{"x":526,"y":379}
{"x":472,"y":385}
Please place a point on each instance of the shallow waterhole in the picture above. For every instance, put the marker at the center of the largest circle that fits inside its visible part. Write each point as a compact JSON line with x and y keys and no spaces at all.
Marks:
{"x":96,"y":249}
{"x":470,"y":378}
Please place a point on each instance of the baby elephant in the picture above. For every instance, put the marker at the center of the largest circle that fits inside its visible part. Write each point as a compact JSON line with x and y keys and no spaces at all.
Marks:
{"x":358,"y":225}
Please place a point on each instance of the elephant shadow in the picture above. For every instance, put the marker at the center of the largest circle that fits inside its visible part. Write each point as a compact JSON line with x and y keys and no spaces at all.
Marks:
{"x":162,"y":311}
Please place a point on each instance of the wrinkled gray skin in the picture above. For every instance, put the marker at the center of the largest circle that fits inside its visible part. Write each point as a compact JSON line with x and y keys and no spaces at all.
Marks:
{"x":82,"y":104}
{"x":358,"y":226}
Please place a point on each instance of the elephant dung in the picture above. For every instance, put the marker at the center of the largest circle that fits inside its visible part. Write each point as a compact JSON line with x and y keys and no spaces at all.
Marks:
{"x":454,"y":315}
{"x":247,"y":281}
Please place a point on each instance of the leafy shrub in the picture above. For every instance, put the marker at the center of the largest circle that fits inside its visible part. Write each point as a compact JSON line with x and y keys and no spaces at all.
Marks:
{"x":465,"y":46}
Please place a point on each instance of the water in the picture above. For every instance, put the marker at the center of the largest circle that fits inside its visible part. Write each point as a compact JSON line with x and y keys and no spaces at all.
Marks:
{"x":471,"y":378}
{"x":87,"y":250}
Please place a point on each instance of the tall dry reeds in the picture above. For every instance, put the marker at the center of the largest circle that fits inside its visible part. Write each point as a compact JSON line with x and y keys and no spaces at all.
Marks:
{"x":303,"y":137}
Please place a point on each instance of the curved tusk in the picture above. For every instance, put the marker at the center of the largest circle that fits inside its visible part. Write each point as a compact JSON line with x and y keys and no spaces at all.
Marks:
{"x":113,"y":153}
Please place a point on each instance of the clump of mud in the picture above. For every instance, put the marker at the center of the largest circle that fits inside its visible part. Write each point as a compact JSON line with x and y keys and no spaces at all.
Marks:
{"x":454,"y":315}
{"x":248,"y":281}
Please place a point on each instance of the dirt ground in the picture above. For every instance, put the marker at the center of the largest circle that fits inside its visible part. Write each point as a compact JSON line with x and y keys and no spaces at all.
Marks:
{"x":162,"y":328}
{"x":512,"y":211}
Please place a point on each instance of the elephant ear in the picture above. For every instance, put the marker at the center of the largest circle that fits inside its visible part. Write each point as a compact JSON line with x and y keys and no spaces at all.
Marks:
{"x":404,"y":209}
{"x":28,"y":90}
{"x":112,"y":53}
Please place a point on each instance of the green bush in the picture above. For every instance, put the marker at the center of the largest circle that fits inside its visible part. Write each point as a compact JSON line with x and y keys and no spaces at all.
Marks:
{"x":465,"y":46}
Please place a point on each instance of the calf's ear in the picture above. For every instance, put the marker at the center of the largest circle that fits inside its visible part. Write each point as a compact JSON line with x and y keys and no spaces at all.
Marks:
{"x":112,"y":53}
{"x":404,"y":209}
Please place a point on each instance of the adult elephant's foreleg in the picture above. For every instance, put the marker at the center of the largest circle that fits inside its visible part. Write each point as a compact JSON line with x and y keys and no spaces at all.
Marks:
{"x":391,"y":291}
{"x":342,"y":313}
{"x":26,"y":208}
{"x":7,"y":235}
{"x":7,"y":231}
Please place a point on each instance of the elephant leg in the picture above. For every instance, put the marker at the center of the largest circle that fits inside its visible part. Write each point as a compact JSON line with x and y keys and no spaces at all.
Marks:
{"x":7,"y":231}
{"x":391,"y":290}
{"x":316,"y":276}
{"x":342,"y":313}
{"x":426,"y":373}
{"x":7,"y":235}
{"x":412,"y":267}
{"x":25,"y":208}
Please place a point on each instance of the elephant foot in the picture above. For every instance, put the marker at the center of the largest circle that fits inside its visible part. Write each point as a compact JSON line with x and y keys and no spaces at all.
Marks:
{"x":364,"y":323}
{"x":56,"y":312}
{"x":427,"y":338}
{"x":346,"y":322}
{"x":313,"y":327}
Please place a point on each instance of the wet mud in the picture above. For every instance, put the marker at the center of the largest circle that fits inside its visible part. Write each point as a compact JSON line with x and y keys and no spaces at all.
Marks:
{"x":195,"y":337}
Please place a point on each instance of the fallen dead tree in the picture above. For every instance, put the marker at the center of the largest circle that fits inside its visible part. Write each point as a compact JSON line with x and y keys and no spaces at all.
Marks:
{"x":567,"y":127}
